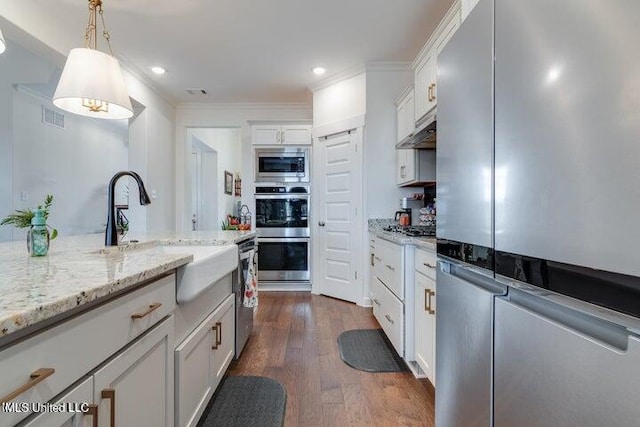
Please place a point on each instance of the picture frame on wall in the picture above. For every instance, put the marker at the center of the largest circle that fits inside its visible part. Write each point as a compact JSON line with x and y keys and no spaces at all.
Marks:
{"x":228,"y":183}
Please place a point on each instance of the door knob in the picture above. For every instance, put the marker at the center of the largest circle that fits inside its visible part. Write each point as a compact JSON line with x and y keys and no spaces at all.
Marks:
{"x":321,"y":223}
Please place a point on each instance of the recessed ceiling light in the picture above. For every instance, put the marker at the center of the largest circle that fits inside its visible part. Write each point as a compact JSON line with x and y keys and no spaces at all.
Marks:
{"x":318,"y":71}
{"x":158,"y":70}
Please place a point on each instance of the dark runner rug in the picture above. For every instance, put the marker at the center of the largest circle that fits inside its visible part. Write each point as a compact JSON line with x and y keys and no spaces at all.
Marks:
{"x":246,"y":401}
{"x":369,"y":350}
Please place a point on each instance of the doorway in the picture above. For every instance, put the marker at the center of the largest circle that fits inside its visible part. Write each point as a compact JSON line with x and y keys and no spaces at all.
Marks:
{"x":214,"y":152}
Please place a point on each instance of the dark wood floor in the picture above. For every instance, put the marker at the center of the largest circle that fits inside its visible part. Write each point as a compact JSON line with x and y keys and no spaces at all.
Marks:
{"x":294,"y":342}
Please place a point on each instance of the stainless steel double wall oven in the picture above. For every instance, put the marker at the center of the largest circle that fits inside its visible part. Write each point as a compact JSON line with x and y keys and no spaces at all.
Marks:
{"x":282,"y":217}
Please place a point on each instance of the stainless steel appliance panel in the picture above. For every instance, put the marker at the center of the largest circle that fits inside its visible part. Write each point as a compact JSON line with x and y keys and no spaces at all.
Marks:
{"x":465,"y":131}
{"x":567,"y":120}
{"x":282,"y":164}
{"x":283,"y":215}
{"x":555,"y":366}
{"x":284,"y":259}
{"x":464,"y":331}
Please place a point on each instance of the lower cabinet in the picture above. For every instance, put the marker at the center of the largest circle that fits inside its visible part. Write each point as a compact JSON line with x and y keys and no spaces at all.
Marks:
{"x":136,"y":387}
{"x":389,"y":311}
{"x":79,"y":394}
{"x":425,"y":324}
{"x":201,"y":361}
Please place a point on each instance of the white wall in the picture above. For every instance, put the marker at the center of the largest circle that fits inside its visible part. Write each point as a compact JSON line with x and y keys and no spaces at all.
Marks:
{"x":223,"y":116}
{"x":340,"y":101}
{"x":151,"y":139}
{"x":382,"y":196}
{"x":74,"y":164}
{"x":226,"y":142}
{"x":16,"y":65}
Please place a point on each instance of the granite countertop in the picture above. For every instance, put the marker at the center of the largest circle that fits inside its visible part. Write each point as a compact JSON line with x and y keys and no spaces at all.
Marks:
{"x":375,"y":228}
{"x":79,"y":270}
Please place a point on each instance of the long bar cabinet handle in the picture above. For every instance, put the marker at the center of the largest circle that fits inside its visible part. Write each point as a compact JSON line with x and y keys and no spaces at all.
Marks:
{"x":215,"y":343}
{"x":92,"y":411}
{"x":36,"y":377}
{"x":109,"y":393}
{"x":152,"y":307}
{"x":431,"y":294}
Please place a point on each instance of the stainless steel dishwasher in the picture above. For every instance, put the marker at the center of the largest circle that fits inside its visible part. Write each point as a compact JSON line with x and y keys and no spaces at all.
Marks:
{"x":247,"y":256}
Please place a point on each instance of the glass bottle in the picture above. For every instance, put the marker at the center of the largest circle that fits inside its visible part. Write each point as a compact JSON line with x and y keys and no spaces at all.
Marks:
{"x":38,"y":235}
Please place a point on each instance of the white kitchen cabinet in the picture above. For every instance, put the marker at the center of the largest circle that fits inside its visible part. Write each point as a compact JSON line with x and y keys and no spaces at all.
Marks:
{"x":405,"y":122}
{"x":135,"y":388}
{"x":280,"y":134}
{"x":73,"y":417}
{"x":425,"y":65}
{"x":201,"y":361}
{"x":389,"y":311}
{"x":425,"y":324}
{"x":425,"y":312}
{"x":415,"y":167}
{"x":392,"y":293}
{"x":100,"y":333}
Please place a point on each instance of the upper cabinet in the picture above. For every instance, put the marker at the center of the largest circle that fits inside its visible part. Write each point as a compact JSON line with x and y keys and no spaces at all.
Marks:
{"x":405,"y":122}
{"x":426,"y":64}
{"x":466,"y":7}
{"x":280,"y":134}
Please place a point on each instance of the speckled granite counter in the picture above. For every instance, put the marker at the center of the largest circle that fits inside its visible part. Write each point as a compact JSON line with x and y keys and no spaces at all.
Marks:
{"x":79,"y":270}
{"x":375,"y":228}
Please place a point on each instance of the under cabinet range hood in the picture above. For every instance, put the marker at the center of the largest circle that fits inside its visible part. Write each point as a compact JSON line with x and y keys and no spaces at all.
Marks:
{"x":424,"y":136}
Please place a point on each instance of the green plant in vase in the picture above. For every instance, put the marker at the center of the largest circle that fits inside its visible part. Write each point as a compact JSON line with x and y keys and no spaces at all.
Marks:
{"x":34,"y":219}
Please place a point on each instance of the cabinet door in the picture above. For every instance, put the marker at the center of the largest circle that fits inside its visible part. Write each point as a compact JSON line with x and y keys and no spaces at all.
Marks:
{"x":448,"y":32}
{"x":295,"y":135}
{"x":73,"y":415}
{"x":425,"y":324}
{"x":401,"y":112}
{"x":424,"y":78}
{"x":225,"y":322}
{"x":195,"y":380}
{"x":135,"y":388}
{"x":405,"y":166}
{"x":265,"y":134}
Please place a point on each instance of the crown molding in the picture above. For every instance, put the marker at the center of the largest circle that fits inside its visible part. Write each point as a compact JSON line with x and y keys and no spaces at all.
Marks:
{"x":338,"y":77}
{"x":244,"y":106}
{"x":359,"y":69}
{"x":148,"y":82}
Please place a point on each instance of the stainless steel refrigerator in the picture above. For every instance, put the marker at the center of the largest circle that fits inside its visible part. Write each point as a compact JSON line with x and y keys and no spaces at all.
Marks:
{"x":539,"y":170}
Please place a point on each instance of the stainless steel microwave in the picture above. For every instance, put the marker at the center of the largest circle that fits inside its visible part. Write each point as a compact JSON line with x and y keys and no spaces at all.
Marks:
{"x":286,"y":164}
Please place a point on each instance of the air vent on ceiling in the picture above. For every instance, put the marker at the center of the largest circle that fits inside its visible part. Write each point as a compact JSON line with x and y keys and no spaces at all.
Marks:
{"x":52,"y":117}
{"x":196,"y":91}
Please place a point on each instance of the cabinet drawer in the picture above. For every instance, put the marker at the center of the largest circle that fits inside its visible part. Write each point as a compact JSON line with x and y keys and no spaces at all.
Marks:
{"x":388,"y":266}
{"x":426,"y":263}
{"x":97,"y":334}
{"x":81,"y":394}
{"x":390,"y":314}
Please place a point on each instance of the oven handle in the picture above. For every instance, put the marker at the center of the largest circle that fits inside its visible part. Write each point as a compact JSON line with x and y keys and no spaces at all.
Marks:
{"x":283,"y":239}
{"x":291,"y":196}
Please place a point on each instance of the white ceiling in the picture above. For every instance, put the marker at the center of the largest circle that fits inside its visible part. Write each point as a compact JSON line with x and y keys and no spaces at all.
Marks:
{"x":244,"y":51}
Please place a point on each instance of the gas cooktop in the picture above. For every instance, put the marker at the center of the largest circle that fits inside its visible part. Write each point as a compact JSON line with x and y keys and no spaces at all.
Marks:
{"x":412,"y":230}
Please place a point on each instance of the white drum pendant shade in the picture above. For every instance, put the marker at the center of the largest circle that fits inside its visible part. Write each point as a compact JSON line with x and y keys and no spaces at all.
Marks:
{"x":92,"y":85}
{"x":3,"y":45}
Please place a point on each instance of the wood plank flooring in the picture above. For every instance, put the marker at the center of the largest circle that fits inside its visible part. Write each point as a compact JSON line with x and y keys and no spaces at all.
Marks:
{"x":294,"y":341}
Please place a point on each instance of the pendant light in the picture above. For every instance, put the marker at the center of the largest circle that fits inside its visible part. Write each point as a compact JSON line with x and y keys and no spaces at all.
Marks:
{"x":91,"y":83}
{"x":3,"y":44}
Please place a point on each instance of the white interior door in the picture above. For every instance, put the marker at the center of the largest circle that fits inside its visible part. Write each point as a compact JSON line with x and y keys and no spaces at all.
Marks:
{"x":338,"y":226}
{"x":208,"y":219}
{"x":195,"y":190}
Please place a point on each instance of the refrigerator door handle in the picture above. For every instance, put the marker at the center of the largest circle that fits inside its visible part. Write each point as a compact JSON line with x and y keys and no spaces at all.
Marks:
{"x":475,"y":278}
{"x":592,"y":327}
